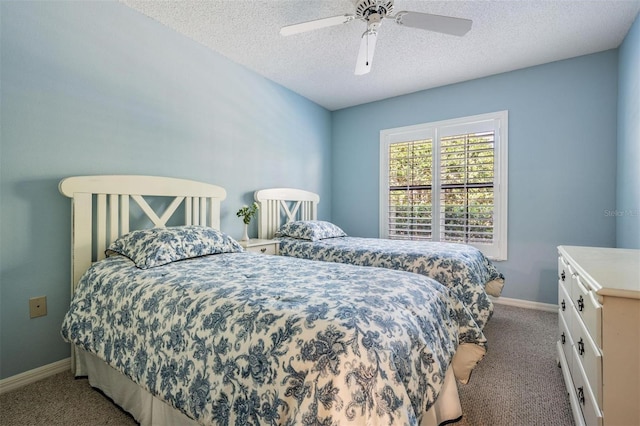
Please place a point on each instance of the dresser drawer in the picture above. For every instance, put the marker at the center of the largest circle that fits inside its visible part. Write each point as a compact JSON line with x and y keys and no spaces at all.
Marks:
{"x":566,"y":374}
{"x":565,"y":341}
{"x":584,"y":394}
{"x":565,"y":305}
{"x":564,"y":272}
{"x":264,"y":249}
{"x":589,"y":309}
{"x":588,"y":354}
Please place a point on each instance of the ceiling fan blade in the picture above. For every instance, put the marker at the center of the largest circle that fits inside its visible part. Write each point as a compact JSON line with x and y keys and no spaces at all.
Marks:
{"x":437,"y":23}
{"x":316,"y":24}
{"x":365,"y":54}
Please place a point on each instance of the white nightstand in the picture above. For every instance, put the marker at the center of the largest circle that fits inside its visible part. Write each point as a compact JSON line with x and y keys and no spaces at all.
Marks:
{"x":261,"y":246}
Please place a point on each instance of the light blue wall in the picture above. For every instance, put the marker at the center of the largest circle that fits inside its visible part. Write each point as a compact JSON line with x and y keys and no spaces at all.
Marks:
{"x":562,"y":159}
{"x":628,"y":179}
{"x":96,"y":88}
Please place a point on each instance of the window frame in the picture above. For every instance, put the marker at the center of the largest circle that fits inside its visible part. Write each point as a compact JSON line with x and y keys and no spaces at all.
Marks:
{"x":497,"y":121}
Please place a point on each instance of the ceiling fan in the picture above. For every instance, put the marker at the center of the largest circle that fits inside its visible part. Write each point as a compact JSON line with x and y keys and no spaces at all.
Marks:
{"x":373,"y":12}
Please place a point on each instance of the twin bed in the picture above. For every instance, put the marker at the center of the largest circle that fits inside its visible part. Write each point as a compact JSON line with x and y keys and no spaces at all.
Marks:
{"x":177,"y":324}
{"x":290,"y":215}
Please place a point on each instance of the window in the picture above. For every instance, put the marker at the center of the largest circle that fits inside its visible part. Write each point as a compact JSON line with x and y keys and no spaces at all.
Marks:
{"x":447,"y":181}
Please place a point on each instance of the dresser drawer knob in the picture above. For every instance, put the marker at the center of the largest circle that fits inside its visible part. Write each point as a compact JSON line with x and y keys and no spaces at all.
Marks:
{"x":580,"y":304}
{"x":581,"y":347}
{"x":563,"y":276}
{"x":564,"y":306}
{"x":263,"y":249}
{"x":581,"y":395}
{"x":562,"y":338}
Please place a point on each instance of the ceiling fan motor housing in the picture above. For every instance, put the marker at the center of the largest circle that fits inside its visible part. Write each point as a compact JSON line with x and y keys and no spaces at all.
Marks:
{"x":366,"y":9}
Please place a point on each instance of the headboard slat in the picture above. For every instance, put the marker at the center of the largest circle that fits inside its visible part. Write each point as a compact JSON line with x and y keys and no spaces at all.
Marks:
{"x":124,"y":215}
{"x":203,"y":211}
{"x":212,"y":217}
{"x":113,"y":217}
{"x":171,"y":209}
{"x":101,"y":236}
{"x":147,"y":209}
{"x":195,"y":220}
{"x":188,"y":202}
{"x":275,"y":216}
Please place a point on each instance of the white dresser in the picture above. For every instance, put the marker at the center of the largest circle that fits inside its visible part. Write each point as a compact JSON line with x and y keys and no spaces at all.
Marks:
{"x":599,"y":333}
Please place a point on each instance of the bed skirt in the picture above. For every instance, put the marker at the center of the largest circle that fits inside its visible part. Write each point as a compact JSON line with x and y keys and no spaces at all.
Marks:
{"x":149,"y":410}
{"x":494,"y":288}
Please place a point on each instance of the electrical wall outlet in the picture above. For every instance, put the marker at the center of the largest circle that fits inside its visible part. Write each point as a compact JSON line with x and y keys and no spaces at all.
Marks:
{"x":38,"y":306}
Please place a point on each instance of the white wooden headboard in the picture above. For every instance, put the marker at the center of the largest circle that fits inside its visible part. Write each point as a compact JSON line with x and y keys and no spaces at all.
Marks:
{"x":282,"y":205}
{"x":91,"y":233}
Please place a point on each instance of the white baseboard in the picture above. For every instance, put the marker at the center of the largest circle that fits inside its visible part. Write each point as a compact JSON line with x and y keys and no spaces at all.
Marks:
{"x":548,"y":307}
{"x":23,"y":379}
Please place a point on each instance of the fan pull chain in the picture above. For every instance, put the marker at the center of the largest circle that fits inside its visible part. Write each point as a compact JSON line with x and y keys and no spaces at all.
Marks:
{"x":367,"y":63}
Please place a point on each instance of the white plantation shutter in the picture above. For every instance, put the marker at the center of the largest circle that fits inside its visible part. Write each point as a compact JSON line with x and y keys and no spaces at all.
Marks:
{"x":466,"y":188}
{"x":410,"y":190}
{"x":446,"y":181}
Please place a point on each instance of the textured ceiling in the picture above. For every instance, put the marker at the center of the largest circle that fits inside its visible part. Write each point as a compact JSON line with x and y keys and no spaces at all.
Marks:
{"x":505,"y":36}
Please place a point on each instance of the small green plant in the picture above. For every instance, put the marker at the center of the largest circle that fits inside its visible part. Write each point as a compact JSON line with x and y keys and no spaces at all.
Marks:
{"x":247,"y":212}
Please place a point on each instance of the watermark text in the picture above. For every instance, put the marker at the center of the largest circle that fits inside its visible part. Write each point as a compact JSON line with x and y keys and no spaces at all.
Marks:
{"x":622,"y":213}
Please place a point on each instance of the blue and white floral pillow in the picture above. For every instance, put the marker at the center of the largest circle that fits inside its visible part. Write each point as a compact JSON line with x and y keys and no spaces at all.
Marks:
{"x":313,"y":230}
{"x":149,"y":248}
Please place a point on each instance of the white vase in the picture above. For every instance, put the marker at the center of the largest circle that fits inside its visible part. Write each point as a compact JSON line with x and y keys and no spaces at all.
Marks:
{"x":245,"y":235}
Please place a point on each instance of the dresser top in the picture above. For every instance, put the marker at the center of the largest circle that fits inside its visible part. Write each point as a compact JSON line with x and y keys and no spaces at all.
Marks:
{"x":609,"y":271}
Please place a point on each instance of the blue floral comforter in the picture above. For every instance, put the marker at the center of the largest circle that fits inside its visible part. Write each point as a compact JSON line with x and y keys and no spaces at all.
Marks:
{"x":242,"y":338}
{"x":462,"y":268}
